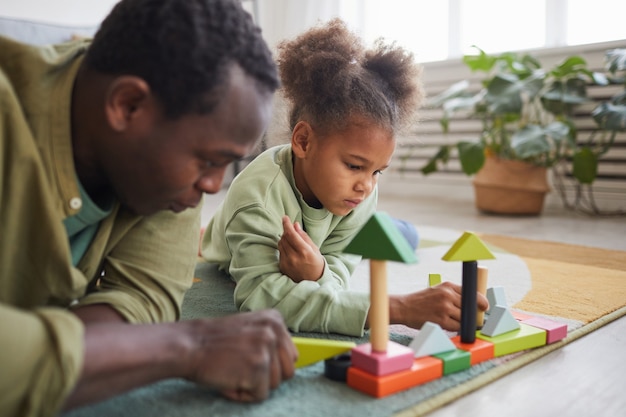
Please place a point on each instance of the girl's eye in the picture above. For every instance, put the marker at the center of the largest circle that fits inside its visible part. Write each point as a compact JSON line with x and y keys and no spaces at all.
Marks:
{"x":353,"y":167}
{"x":378,"y":172}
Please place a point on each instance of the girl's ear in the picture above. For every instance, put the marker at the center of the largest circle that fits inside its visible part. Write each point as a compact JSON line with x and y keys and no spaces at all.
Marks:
{"x":301,"y":139}
{"x":126,"y":99}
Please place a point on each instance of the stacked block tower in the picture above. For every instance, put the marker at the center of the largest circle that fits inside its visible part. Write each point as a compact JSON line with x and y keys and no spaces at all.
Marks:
{"x":382,"y":367}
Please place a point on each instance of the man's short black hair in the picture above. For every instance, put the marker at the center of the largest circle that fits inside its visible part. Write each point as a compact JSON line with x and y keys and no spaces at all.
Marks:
{"x":183,"y":49}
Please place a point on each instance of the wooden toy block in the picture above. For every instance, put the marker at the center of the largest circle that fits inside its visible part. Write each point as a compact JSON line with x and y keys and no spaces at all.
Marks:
{"x":380,"y":239}
{"x":555,"y":331}
{"x":397,"y":358}
{"x":336,"y":368}
{"x":496,"y":297}
{"x":481,"y":287}
{"x":434,"y":279}
{"x":500,"y":321}
{"x":468,"y":301}
{"x":519,"y":316}
{"x":311,"y":350}
{"x":526,"y":337}
{"x":423,"y":370}
{"x":468,"y":247}
{"x":480,"y":350}
{"x":379,"y":306}
{"x":431,"y":340}
{"x":455,"y":361}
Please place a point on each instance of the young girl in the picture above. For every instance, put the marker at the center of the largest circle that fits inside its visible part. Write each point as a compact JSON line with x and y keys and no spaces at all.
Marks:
{"x":289,"y":214}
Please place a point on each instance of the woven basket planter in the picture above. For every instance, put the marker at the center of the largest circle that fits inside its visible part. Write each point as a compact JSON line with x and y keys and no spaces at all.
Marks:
{"x":510,"y":187}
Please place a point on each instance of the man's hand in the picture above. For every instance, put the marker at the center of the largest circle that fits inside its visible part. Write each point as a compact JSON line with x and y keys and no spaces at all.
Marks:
{"x":440,"y":304}
{"x":300,"y":259}
{"x":244,"y":356}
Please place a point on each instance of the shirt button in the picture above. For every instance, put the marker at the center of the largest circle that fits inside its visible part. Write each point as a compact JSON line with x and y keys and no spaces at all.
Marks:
{"x":76,"y":203}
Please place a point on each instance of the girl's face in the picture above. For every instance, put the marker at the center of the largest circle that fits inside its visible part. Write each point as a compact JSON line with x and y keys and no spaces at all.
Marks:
{"x":339,"y":170}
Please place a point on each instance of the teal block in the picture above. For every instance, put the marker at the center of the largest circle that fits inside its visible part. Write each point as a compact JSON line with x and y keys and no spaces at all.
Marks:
{"x":455,"y":361}
{"x":526,"y":337}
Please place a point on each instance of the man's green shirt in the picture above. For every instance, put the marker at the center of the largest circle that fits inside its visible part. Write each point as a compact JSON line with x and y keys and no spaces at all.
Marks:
{"x":143,"y":265}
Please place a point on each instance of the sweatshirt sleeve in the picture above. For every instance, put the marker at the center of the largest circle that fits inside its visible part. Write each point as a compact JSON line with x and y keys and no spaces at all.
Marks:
{"x":149,"y":266}
{"x":42,"y":354}
{"x":325,"y":306}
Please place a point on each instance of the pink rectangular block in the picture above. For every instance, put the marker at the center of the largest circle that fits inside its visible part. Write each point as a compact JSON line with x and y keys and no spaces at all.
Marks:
{"x":555,"y":330}
{"x":397,"y":358}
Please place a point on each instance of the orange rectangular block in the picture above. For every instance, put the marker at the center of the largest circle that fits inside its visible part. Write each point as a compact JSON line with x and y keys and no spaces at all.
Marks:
{"x":480,"y":350}
{"x":424,"y":369}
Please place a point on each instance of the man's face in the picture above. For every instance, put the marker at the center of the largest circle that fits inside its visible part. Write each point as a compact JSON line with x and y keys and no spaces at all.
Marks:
{"x":175,"y":162}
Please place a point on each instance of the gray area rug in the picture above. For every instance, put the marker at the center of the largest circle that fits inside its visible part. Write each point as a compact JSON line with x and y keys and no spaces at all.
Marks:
{"x":308,"y":394}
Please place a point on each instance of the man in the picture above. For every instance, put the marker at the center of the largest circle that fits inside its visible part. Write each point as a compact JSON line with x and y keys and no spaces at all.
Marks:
{"x":106,"y":147}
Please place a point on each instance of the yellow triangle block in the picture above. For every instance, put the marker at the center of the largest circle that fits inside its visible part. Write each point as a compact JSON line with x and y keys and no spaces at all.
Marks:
{"x":468,"y":247}
{"x":312,"y":350}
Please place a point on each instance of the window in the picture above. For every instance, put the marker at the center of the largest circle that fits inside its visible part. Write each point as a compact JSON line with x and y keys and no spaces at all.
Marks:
{"x":441,"y":29}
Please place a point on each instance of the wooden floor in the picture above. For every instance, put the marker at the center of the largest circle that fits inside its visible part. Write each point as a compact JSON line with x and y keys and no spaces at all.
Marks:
{"x":586,"y":377}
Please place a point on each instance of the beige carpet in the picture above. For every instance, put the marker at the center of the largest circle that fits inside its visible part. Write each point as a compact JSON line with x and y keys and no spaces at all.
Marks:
{"x":574,"y":282}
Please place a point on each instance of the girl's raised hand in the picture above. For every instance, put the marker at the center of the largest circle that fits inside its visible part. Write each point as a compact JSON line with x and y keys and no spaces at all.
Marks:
{"x":299,"y":258}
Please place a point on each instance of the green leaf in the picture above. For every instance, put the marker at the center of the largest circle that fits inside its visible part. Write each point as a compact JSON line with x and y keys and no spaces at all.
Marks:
{"x":442,"y":155}
{"x":570,"y":66}
{"x":455,"y":90}
{"x":585,"y":165}
{"x":599,"y":78}
{"x":610,"y":117}
{"x":457,"y":104}
{"x":472,"y":156}
{"x":616,"y":60}
{"x":503,"y":94}
{"x":530,"y":141}
{"x":480,"y":62}
{"x":563,"y":97}
{"x":558,"y":130}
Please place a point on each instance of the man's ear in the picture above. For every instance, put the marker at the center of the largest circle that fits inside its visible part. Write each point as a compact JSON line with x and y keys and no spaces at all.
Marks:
{"x":127,"y":97}
{"x":301,"y":139}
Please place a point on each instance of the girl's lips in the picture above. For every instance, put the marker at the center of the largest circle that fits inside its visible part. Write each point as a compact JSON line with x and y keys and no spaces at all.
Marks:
{"x":353,"y":203}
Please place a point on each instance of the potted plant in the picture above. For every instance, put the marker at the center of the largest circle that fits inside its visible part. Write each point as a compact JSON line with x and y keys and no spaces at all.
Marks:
{"x":526,"y":128}
{"x":610,"y":118}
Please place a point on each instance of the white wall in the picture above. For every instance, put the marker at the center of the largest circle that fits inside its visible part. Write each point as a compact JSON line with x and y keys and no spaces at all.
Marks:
{"x":279,"y":19}
{"x":63,"y":12}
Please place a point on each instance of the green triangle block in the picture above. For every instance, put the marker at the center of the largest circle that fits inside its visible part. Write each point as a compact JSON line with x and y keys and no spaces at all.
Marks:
{"x":380,"y":239}
{"x":468,"y":247}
